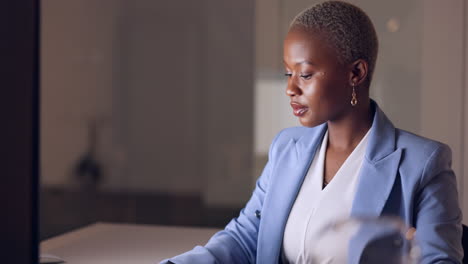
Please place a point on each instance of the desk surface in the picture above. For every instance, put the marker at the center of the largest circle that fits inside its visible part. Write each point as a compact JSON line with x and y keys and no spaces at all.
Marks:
{"x":124,"y":243}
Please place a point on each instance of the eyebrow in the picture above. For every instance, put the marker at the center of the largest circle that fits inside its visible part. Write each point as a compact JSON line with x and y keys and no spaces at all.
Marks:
{"x":302,"y":62}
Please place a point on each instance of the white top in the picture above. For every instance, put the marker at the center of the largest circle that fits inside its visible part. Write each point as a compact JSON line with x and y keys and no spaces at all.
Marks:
{"x":315,"y":207}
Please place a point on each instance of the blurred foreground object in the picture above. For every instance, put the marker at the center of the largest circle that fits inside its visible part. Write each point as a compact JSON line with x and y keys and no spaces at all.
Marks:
{"x":365,"y":240}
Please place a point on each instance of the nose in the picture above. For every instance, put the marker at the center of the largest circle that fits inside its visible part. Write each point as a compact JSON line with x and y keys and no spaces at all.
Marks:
{"x":292,"y":89}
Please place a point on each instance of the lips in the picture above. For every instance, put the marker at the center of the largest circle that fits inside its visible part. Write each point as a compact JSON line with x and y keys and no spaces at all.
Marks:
{"x":298,"y":109}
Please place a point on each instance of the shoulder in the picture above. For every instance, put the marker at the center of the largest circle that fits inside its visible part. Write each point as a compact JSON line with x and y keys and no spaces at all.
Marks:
{"x":419,"y":146}
{"x":430,"y":156}
{"x":292,"y":135}
{"x":295,"y":134}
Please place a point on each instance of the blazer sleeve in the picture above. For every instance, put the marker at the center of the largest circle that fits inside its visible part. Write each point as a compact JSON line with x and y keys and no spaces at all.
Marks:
{"x":237,"y":243}
{"x":438,"y":215}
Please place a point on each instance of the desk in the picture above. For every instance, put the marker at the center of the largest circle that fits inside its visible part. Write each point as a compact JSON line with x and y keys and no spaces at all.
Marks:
{"x":124,"y":243}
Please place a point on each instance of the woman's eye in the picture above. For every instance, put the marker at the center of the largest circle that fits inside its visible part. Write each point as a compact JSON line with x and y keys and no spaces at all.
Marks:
{"x":306,"y":76}
{"x":288,"y":74}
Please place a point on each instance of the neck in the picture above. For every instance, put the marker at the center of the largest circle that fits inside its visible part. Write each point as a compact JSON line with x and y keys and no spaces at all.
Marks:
{"x":345,"y":133}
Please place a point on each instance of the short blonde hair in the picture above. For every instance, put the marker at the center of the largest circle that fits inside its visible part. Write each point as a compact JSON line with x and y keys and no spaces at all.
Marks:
{"x":346,"y":27}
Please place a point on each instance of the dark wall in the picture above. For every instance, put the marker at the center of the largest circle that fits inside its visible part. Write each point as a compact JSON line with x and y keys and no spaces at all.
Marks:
{"x":18,"y":133}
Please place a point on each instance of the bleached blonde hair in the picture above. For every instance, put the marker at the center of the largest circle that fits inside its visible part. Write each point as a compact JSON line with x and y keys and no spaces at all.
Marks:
{"x":346,"y":27}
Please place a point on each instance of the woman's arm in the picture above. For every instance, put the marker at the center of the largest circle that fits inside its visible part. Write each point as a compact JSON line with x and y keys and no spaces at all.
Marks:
{"x":237,"y":243}
{"x":438,"y":216}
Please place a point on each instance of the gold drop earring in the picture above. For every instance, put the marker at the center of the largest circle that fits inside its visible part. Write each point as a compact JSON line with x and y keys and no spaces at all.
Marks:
{"x":353,"y":95}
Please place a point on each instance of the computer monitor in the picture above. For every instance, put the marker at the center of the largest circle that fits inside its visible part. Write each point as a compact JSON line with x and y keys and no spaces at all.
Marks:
{"x":19,"y":117}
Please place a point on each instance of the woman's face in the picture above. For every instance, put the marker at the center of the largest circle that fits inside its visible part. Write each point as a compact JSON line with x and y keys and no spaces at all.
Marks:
{"x":318,"y":84}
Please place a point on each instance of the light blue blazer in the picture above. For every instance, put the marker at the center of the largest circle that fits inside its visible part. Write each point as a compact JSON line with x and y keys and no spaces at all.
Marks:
{"x":402,"y":175}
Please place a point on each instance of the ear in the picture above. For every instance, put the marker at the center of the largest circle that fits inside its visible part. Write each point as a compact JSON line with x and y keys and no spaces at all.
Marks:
{"x":358,"y":72}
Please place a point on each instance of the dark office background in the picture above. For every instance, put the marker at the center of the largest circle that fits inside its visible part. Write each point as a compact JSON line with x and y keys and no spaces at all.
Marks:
{"x":19,"y":112}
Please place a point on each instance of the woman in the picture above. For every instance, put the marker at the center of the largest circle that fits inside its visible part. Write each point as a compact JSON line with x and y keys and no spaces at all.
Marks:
{"x":347,"y":161}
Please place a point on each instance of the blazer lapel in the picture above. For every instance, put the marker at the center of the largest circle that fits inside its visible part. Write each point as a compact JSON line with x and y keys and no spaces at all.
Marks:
{"x":379,"y":168}
{"x":292,"y":166}
{"x":375,"y":184}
